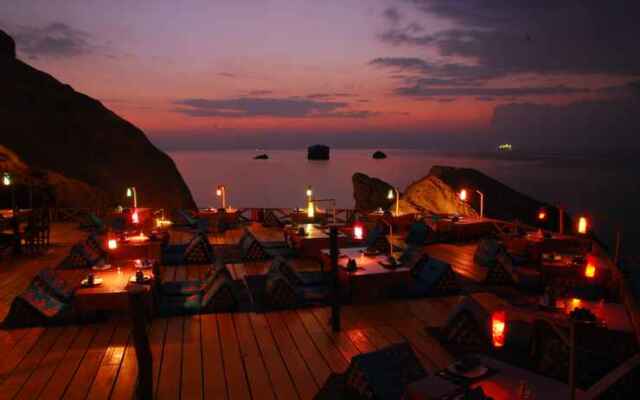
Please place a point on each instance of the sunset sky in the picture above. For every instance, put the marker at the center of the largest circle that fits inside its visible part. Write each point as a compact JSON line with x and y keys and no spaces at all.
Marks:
{"x":244,"y":72}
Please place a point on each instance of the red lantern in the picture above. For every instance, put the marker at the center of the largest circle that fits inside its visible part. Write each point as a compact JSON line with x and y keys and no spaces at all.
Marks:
{"x":135,"y":218}
{"x":498,"y":328}
{"x":542,"y":215}
{"x":590,"y":270}
{"x":583,"y":225}
{"x":358,"y":231}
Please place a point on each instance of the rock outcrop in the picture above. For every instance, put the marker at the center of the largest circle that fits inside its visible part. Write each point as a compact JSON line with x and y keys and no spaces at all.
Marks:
{"x":7,"y":46}
{"x":47,"y":187}
{"x":501,"y":201}
{"x":430,"y":194}
{"x":370,"y":193}
{"x":379,"y":155}
{"x":318,"y":152}
{"x":54,"y":128}
{"x":261,"y":157}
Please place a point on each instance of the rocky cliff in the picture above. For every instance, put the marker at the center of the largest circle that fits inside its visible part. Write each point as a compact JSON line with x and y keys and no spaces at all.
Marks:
{"x":438,"y":193}
{"x":54,"y":128}
{"x":432,"y":195}
{"x":501,"y":201}
{"x":46,"y":187}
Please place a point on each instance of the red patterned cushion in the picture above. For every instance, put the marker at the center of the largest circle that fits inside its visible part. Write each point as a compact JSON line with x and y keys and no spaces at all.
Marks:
{"x":38,"y":297}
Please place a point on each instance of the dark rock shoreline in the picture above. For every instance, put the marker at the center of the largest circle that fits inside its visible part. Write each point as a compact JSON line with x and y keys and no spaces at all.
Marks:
{"x":52,"y":127}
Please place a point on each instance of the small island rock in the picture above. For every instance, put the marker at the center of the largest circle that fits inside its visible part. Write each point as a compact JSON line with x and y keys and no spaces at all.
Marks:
{"x":261,"y":157}
{"x":378,"y":155}
{"x":370,"y":193}
{"x":318,"y":152}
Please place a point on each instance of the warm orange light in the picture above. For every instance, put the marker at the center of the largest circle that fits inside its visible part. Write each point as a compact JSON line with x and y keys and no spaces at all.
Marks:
{"x":542,"y":215}
{"x":218,"y":192}
{"x":463,"y":195}
{"x":135,"y":218}
{"x":112,"y":244}
{"x":358,"y":232}
{"x":311,"y":209}
{"x":583,"y":225}
{"x":590,"y":271}
{"x":498,"y":328}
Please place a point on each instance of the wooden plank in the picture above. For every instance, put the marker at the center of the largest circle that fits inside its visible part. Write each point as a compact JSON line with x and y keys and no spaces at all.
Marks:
{"x":282,"y":383}
{"x":336,"y":361}
{"x":46,"y":368}
{"x":58,"y":383}
{"x":214,"y":383}
{"x":169,"y":381}
{"x":360,"y":340}
{"x":110,"y":365}
{"x":316,"y":363}
{"x":259,"y":382}
{"x":24,"y":343}
{"x":341,"y":339}
{"x":181,"y":273}
{"x":377,"y":339}
{"x":302,"y":378}
{"x":125,"y":385}
{"x":237,"y":384}
{"x":191,"y":359}
{"x":13,"y":383}
{"x":156,"y":342}
{"x":81,"y":383}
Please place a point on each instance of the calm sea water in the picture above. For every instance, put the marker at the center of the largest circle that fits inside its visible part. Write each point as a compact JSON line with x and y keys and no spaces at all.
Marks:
{"x":607,"y":190}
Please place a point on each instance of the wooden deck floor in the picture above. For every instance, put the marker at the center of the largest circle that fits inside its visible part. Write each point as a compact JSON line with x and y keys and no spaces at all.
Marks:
{"x":283,"y":355}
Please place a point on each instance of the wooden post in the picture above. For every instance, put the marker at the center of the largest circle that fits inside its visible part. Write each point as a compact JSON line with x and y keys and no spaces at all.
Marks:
{"x":616,"y":258}
{"x":561,"y":221}
{"x":572,"y":359}
{"x":335,"y":306}
{"x":144,"y":388}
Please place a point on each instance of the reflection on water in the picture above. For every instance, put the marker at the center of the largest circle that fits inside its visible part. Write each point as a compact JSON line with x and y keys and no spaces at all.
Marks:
{"x":609,"y":194}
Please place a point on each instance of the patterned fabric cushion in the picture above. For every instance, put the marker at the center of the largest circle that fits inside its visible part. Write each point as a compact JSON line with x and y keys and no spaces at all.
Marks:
{"x":181,"y":288}
{"x":93,"y":242}
{"x":219,"y":296}
{"x":38,"y":297}
{"x":435,"y":277}
{"x":487,"y":252}
{"x":280,"y":265}
{"x":198,"y":251}
{"x":384,"y":374}
{"x":271,"y":220}
{"x":251,"y":249}
{"x":59,"y":287}
{"x":173,"y":305}
{"x":76,"y":258}
{"x":279,"y":292}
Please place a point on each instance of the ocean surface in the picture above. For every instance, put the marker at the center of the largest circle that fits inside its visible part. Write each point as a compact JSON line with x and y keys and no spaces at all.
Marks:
{"x":607,"y":190}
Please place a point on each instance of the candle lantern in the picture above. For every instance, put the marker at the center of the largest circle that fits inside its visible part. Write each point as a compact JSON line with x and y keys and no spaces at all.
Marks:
{"x":358,"y":231}
{"x":583,"y":225}
{"x":498,"y":328}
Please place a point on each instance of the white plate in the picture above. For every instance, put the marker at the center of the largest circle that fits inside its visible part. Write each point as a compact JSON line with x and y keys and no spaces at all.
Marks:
{"x":474,"y":373}
{"x":96,"y":282}
{"x":103,"y":267}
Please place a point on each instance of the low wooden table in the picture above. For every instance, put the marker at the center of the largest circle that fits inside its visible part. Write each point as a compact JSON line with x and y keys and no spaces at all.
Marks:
{"x":504,"y":384}
{"x":315,"y":239}
{"x":112,"y":294}
{"x":464,"y":229}
{"x":371,"y":281}
{"x":213,"y":216}
{"x":131,"y":250}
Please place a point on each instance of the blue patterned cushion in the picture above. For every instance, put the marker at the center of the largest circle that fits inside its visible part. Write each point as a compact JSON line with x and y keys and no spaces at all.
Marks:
{"x":58,"y":286}
{"x":38,"y":297}
{"x":251,"y":248}
{"x":219,"y":295}
{"x":181,"y":288}
{"x":181,"y":304}
{"x":198,"y":251}
{"x":279,"y":292}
